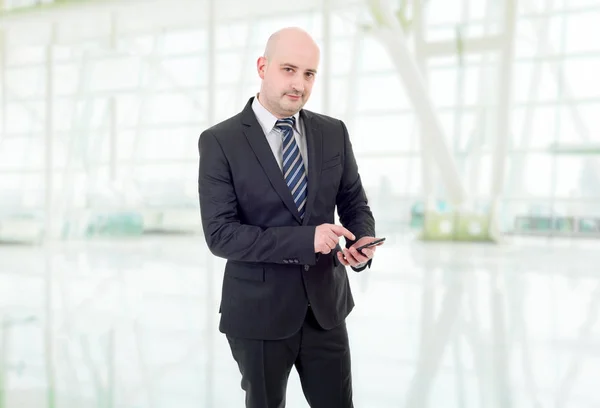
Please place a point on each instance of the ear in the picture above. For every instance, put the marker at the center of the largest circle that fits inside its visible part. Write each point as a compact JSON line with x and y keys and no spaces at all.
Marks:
{"x":261,"y":67}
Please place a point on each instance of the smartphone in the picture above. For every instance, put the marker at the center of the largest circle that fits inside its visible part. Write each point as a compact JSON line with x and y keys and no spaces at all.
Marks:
{"x":370,"y":244}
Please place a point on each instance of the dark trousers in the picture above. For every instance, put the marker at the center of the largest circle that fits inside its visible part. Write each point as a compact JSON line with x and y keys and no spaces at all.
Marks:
{"x":321,"y":357}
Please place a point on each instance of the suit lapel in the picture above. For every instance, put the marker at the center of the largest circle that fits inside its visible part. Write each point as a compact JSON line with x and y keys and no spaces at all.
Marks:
{"x":262,"y":150}
{"x":314,"y":140}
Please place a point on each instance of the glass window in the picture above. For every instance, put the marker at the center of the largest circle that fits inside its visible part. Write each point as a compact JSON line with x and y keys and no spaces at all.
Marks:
{"x":184,"y":42}
{"x":445,"y":11}
{"x":345,"y":55}
{"x":472,"y":79}
{"x":442,"y":86}
{"x":25,"y":117}
{"x":476,"y":173}
{"x":581,"y":77}
{"x":114,"y":74}
{"x":25,"y":54}
{"x":343,"y":21}
{"x":145,"y":44}
{"x":14,"y":153}
{"x":234,"y":34}
{"x":179,"y":72}
{"x":571,"y":125}
{"x":470,"y":134}
{"x":163,"y":144}
{"x":26,"y":82}
{"x":230,"y":66}
{"x":173,"y":108}
{"x":587,"y":115}
{"x":384,"y":133}
{"x":534,"y":82}
{"x":381,"y":93}
{"x":569,"y":176}
{"x":375,"y":57}
{"x":536,"y":177}
{"x":539,"y":37}
{"x":534,"y":127}
{"x":67,"y":78}
{"x":382,"y":176}
{"x":440,"y":33}
{"x":582,"y":31}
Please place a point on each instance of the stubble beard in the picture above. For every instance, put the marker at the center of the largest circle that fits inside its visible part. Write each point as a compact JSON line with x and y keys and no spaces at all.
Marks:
{"x":291,"y":107}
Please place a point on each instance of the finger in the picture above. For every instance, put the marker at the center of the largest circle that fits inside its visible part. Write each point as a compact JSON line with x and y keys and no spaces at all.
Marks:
{"x":333,"y":236}
{"x":369,"y":252}
{"x":325,"y":249}
{"x":357,"y":255}
{"x":342,"y":260}
{"x":355,"y":262}
{"x":331,"y":243}
{"x":350,"y":258}
{"x":341,"y":231}
{"x":332,"y":240}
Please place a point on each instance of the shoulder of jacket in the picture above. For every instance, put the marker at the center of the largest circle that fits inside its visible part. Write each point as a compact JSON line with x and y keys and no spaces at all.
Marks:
{"x":225,"y":127}
{"x":322,"y":119}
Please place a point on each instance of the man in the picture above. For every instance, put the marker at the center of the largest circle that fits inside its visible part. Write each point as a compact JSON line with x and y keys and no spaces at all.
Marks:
{"x":270,"y":178}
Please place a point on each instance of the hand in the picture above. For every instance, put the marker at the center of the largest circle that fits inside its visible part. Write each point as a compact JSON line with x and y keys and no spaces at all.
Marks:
{"x":351,"y":257}
{"x":328,"y":235}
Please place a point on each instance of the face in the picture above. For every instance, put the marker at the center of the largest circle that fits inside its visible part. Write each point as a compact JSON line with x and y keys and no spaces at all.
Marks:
{"x":288,"y":76}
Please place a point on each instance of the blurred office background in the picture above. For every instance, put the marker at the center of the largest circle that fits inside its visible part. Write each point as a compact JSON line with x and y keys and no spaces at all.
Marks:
{"x":475,"y":126}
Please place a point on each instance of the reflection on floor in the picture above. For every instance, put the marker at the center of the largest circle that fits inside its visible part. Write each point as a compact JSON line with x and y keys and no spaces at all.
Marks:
{"x":134,"y":324}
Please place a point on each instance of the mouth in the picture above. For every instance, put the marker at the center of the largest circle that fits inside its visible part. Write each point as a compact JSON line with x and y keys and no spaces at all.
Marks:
{"x":293,"y":97}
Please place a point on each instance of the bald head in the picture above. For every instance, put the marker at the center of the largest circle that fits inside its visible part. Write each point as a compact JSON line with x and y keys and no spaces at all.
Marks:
{"x":287,"y":37}
{"x":287,"y":69}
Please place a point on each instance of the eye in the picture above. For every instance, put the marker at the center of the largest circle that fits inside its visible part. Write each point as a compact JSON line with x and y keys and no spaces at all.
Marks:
{"x":287,"y":69}
{"x":310,"y":74}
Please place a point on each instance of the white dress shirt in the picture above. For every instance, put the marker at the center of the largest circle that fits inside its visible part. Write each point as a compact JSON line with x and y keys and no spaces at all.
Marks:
{"x":274,"y":136}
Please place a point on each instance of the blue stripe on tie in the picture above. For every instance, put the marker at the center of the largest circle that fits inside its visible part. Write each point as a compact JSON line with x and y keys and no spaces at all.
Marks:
{"x":294,"y":173}
{"x":293,"y":165}
{"x":300,"y":192}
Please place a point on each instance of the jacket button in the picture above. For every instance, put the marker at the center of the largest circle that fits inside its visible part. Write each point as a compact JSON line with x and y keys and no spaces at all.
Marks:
{"x":285,"y":261}
{"x":306,"y":267}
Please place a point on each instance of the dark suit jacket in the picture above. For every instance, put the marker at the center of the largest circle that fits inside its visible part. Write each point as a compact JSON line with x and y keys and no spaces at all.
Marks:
{"x":250,"y":219}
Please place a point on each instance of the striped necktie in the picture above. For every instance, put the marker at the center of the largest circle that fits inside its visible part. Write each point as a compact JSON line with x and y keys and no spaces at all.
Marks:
{"x":293,"y":165}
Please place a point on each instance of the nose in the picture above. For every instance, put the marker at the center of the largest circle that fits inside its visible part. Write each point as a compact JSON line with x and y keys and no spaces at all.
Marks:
{"x":298,"y":86}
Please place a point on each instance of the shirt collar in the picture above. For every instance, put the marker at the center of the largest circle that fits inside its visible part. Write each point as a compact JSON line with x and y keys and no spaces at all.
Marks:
{"x":266,"y":119}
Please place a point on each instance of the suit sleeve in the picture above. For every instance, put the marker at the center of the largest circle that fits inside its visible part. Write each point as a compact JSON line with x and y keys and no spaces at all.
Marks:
{"x":352,"y":203}
{"x":225,"y":235}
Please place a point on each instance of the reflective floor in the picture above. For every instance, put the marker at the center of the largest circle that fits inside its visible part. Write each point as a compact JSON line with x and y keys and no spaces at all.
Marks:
{"x":133,"y":323}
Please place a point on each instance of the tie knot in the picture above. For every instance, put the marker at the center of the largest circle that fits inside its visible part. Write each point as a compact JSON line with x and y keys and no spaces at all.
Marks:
{"x":286,"y":123}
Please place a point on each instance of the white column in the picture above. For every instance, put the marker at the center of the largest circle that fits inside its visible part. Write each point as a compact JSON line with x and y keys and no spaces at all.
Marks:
{"x":485,"y":95}
{"x":504,"y":103}
{"x":48,"y":136}
{"x":113,"y":150}
{"x":426,"y":155}
{"x":48,"y":224}
{"x":3,"y":82}
{"x":392,"y":37}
